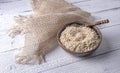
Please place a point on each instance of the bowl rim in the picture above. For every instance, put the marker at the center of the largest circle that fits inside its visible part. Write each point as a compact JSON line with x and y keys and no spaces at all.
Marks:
{"x":63,"y":47}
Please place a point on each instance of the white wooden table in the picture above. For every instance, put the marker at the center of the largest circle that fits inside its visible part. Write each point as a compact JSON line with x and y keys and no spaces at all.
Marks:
{"x":105,"y":60}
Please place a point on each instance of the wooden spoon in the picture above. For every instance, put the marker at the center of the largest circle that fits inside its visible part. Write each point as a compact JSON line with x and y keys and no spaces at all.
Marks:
{"x":97,"y":23}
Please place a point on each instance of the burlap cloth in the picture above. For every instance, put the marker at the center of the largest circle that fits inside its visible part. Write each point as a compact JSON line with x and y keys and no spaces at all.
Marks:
{"x":40,"y":28}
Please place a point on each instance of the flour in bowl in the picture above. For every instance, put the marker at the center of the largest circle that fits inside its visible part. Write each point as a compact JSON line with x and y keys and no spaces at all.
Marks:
{"x":79,"y":38}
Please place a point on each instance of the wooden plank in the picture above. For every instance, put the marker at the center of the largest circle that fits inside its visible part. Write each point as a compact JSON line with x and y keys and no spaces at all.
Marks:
{"x":88,"y":5}
{"x":105,"y":63}
{"x":98,"y":5}
{"x":14,"y":7}
{"x":8,"y":1}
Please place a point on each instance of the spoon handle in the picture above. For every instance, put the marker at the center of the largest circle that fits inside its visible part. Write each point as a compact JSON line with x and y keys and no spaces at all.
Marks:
{"x":98,"y":23}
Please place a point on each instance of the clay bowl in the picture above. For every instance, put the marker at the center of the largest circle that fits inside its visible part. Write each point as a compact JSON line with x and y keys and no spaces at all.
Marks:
{"x":76,"y":53}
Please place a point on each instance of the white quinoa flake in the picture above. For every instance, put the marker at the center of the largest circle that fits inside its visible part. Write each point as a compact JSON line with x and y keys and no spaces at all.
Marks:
{"x":79,"y":38}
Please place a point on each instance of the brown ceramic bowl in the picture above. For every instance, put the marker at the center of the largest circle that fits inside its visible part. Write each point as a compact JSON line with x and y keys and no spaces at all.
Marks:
{"x":76,"y":53}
